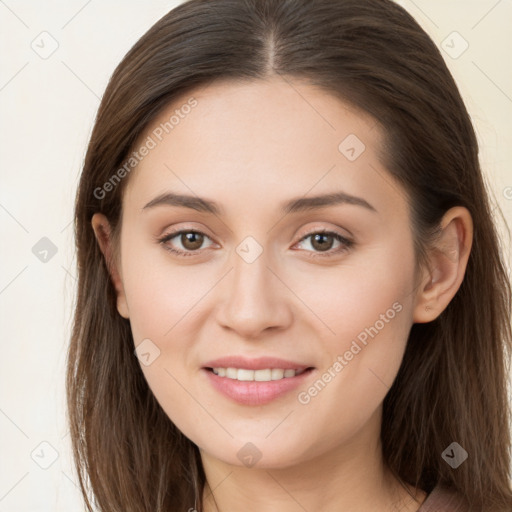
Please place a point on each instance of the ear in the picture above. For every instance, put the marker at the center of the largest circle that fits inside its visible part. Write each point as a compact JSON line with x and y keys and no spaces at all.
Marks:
{"x":448,"y":261}
{"x":103,"y":233}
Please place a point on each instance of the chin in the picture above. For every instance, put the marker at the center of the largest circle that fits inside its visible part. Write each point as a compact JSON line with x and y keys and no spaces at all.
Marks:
{"x":258,"y":453}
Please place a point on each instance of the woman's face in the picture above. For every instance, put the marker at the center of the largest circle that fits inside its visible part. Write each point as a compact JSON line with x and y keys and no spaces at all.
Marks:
{"x":282,"y":162}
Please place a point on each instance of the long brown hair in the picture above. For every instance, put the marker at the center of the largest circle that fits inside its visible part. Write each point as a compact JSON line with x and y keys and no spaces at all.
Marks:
{"x":452,"y":382}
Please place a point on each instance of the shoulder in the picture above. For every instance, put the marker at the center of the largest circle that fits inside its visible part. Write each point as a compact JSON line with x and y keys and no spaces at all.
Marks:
{"x":444,"y":499}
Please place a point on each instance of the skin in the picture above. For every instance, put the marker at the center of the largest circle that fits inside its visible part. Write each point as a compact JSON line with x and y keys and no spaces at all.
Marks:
{"x":249,"y":147}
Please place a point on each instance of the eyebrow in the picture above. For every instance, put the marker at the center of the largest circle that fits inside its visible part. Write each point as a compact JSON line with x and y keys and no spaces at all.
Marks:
{"x":300,"y":204}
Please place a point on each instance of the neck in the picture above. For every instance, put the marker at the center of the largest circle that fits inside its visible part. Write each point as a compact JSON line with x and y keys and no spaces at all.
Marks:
{"x":350,"y":477}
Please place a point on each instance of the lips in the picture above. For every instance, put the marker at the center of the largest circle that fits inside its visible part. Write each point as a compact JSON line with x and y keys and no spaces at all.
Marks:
{"x":253,"y":391}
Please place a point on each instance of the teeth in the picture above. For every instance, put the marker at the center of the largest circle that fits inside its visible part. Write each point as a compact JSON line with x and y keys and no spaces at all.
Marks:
{"x":245,"y":375}
{"x":277,"y":374}
{"x":255,"y":375}
{"x":231,"y":373}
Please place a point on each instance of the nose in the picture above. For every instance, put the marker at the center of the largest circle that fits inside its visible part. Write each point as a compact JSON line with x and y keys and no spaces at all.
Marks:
{"x":255,"y":299}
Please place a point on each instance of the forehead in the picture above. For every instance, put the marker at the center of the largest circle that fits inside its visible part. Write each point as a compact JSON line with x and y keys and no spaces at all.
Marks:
{"x":275,"y":112}
{"x":250,"y":140}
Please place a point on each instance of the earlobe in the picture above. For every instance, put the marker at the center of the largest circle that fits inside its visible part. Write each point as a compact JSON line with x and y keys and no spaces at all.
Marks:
{"x":448,"y":260}
{"x":103,"y":233}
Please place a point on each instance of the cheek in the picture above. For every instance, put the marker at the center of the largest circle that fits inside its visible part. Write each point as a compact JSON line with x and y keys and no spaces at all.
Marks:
{"x":161,"y":299}
{"x":367,"y":307}
{"x":364,"y":298}
{"x":160,"y":295}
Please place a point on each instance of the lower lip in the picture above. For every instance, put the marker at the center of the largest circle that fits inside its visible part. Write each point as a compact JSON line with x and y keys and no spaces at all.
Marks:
{"x":255,"y":392}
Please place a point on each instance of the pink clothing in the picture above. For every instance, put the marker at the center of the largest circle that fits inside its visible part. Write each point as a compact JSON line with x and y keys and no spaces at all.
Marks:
{"x":442,"y":499}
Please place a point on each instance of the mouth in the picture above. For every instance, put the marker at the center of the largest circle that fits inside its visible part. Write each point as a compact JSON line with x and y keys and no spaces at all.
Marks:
{"x":256,"y":381}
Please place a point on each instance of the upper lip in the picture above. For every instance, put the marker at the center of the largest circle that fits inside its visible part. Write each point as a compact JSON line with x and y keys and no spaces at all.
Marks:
{"x":259,"y":363}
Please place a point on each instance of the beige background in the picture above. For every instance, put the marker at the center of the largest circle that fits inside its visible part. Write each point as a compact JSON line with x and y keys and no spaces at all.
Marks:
{"x":47,"y":109}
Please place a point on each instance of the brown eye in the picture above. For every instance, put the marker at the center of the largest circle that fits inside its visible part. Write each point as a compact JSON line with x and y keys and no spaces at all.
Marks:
{"x":184,"y":242}
{"x":322,"y":241}
{"x":191,"y":240}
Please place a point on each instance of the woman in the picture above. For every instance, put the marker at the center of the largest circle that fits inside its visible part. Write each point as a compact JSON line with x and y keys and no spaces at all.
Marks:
{"x":291,"y":294}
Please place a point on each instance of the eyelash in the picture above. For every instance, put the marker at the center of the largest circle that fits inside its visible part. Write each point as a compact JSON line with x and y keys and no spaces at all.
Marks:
{"x":346,"y":243}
